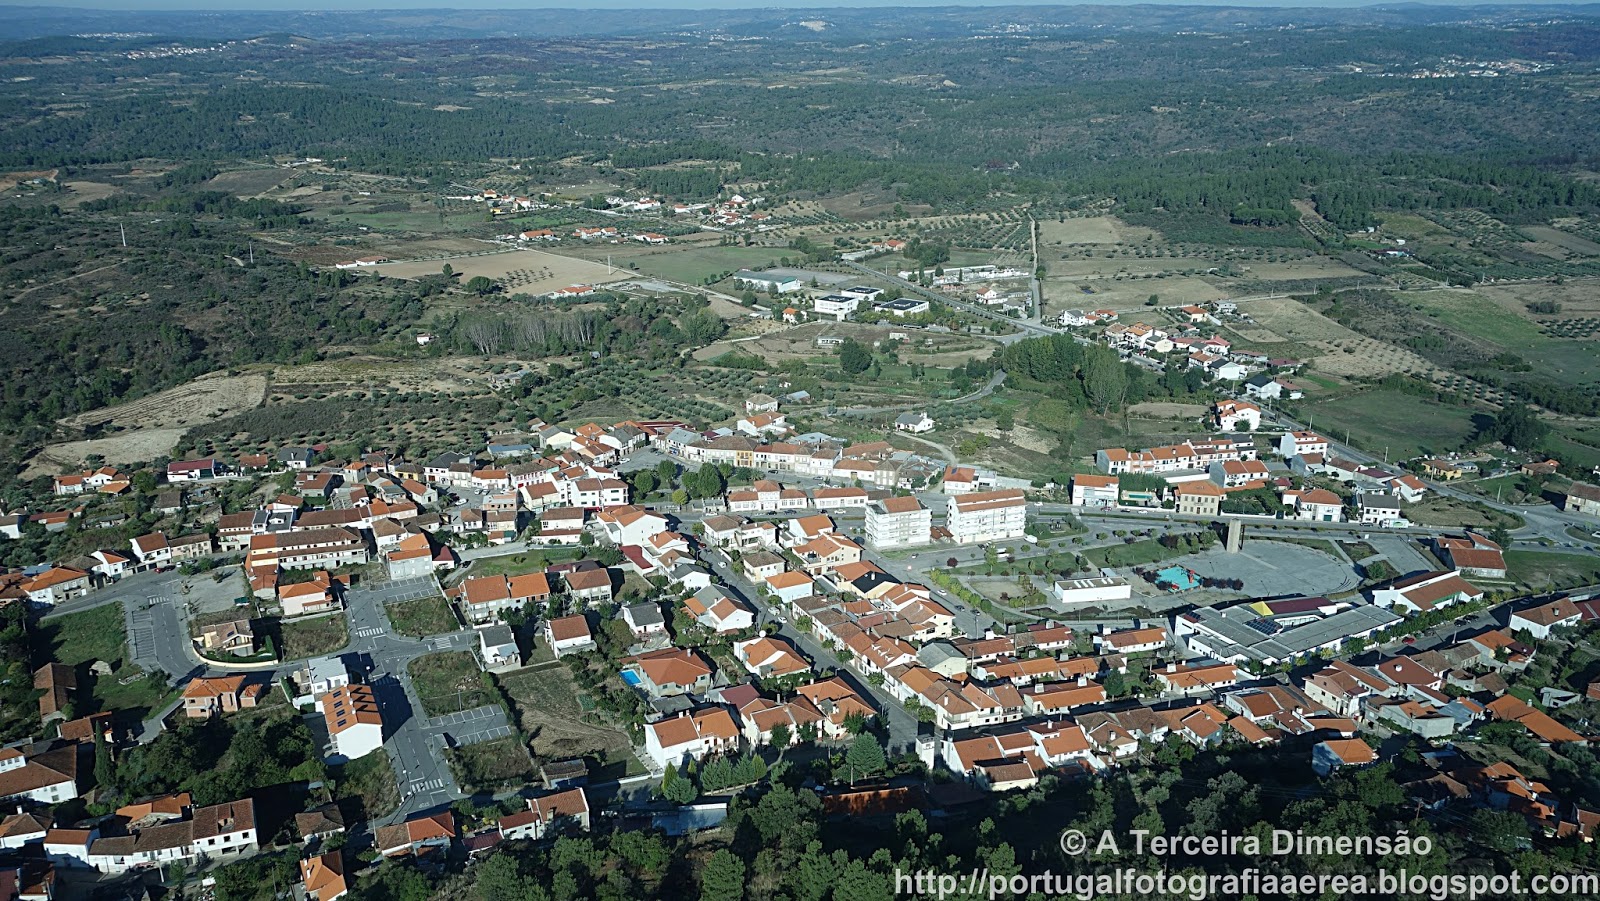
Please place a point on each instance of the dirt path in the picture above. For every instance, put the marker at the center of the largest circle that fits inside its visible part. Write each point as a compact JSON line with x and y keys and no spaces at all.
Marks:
{"x":61,"y":281}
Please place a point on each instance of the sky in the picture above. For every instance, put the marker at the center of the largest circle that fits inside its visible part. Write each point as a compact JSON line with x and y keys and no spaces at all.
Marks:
{"x":348,"y":5}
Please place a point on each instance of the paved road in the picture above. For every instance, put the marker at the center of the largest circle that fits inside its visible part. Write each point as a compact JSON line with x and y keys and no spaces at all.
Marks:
{"x":415,"y":744}
{"x":902,"y":726}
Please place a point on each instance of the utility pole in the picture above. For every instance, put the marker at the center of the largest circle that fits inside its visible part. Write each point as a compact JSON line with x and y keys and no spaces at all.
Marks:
{"x":124,"y":229}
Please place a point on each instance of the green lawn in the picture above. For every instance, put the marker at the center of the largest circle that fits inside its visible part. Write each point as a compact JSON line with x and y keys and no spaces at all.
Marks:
{"x":98,"y":634}
{"x":1145,"y":551}
{"x":694,"y":265}
{"x":424,"y":616}
{"x":449,"y":682}
{"x":1540,"y":570}
{"x":1404,"y":424}
{"x":1480,"y":317}
{"x":517,"y":564}
{"x":313,"y":637}
{"x":1448,"y":512}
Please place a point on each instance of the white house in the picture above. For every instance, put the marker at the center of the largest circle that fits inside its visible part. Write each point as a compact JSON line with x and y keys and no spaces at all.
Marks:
{"x":839,"y":306}
{"x":569,"y":635}
{"x":915,"y":423}
{"x":1542,"y":620}
{"x":354,"y":723}
{"x":1231,"y":413}
{"x":1426,"y":591}
{"x":791,"y":586}
{"x":691,"y":736}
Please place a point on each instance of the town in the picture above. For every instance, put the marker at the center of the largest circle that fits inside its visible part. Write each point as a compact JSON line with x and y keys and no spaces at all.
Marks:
{"x":795,"y":601}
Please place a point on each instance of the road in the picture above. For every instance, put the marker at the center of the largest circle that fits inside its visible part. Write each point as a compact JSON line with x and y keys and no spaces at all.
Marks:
{"x":902,"y":726}
{"x":415,"y":744}
{"x":1540,"y":522}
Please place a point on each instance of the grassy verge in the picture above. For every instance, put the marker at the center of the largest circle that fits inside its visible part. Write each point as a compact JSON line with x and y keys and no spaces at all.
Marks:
{"x":314,"y":637}
{"x":1148,"y":550}
{"x":449,"y":682}
{"x":1539,"y":570}
{"x":1448,"y":512}
{"x":424,"y":616}
{"x":492,"y":765}
{"x":517,"y":564}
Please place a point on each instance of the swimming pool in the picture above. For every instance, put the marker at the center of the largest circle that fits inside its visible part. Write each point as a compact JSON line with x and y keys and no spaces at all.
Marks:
{"x":631,"y":677}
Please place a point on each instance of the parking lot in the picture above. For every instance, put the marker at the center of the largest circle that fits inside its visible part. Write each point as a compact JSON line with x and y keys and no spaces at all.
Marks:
{"x":470,"y":727}
{"x":396,"y":592}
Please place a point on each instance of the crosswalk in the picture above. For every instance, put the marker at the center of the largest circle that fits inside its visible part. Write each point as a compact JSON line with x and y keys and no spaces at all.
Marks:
{"x":423,"y":787}
{"x":439,"y":642}
{"x":369,"y":632}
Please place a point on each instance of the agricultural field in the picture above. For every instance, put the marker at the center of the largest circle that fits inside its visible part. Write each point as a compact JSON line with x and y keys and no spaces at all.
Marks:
{"x":151,"y":426}
{"x":519,"y":271}
{"x":1091,"y":230}
{"x":558,"y":717}
{"x":250,"y":182}
{"x":449,"y":682}
{"x":693,"y":265}
{"x":1405,"y":424}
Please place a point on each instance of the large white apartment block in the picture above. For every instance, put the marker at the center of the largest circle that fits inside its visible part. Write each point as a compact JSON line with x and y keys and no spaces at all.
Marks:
{"x":897,"y":522}
{"x":988,"y":516}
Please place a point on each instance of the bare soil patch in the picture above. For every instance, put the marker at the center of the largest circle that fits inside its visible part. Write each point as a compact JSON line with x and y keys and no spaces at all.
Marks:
{"x":202,"y":400}
{"x":520,"y":271}
{"x":120,"y":450}
{"x":1163,"y":410}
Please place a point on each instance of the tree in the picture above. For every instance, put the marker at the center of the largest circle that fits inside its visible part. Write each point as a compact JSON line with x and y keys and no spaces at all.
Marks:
{"x":1517,"y":426}
{"x":853,"y":357}
{"x":1105,"y":379}
{"x":480,"y":285}
{"x":781,"y":736}
{"x":105,"y":769}
{"x":500,"y":878}
{"x":1116,"y":684}
{"x":723,"y":878}
{"x":865,"y":757}
{"x":677,"y":789}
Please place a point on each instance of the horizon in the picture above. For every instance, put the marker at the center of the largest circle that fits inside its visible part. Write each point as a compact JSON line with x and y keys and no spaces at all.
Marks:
{"x":689,"y":6}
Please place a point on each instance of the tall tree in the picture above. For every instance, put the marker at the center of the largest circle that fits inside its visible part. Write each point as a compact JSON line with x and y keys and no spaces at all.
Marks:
{"x":723,"y":878}
{"x":1105,"y":379}
{"x":865,"y":757}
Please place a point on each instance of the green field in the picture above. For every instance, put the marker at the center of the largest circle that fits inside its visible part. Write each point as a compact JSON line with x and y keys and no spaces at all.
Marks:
{"x":79,"y":639}
{"x":424,"y":616}
{"x":1541,"y":570}
{"x":1480,"y":317}
{"x":1404,"y":424}
{"x":314,"y":637}
{"x":693,"y":265}
{"x":517,"y":564}
{"x":449,"y":682}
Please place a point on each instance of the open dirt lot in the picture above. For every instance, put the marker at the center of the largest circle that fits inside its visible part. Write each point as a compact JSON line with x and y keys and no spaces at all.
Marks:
{"x":202,"y":400}
{"x":521,"y":271}
{"x":1091,"y":230}
{"x":250,"y":182}
{"x":1160,"y":410}
{"x":549,"y":711}
{"x":87,"y":191}
{"x":121,"y":450}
